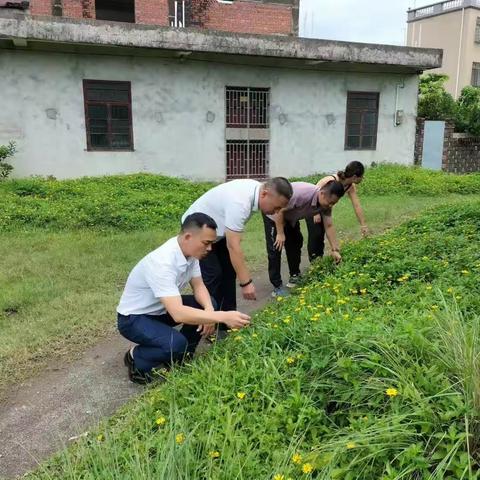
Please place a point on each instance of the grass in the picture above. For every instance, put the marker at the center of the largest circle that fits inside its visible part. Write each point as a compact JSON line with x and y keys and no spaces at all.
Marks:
{"x":68,"y":246}
{"x":58,"y":291}
{"x":369,"y":371}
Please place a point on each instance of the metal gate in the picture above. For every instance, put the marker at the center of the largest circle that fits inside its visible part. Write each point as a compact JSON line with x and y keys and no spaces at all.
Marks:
{"x":433,"y":140}
{"x":247,"y":114}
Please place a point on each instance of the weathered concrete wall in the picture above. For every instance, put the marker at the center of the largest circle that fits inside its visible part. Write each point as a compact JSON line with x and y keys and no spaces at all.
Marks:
{"x":170,"y":103}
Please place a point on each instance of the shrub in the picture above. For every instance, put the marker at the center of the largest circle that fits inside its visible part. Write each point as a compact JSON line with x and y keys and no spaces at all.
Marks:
{"x":6,"y":151}
{"x":468,"y":119}
{"x":434,"y":102}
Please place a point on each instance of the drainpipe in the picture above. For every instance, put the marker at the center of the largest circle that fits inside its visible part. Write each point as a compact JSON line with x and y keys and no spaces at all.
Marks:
{"x":460,"y":44}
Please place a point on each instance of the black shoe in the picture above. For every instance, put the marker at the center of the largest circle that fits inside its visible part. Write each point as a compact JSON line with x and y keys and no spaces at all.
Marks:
{"x":143,"y":378}
{"x":128,"y":359}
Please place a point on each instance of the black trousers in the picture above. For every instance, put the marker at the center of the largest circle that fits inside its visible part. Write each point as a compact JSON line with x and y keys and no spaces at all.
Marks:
{"x":219,"y":276}
{"x":316,"y":238}
{"x":293,"y":250}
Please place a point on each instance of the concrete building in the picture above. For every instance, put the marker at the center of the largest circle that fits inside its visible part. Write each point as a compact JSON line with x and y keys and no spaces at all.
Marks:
{"x":86,"y":97}
{"x":278,"y":17}
{"x":454,"y":26}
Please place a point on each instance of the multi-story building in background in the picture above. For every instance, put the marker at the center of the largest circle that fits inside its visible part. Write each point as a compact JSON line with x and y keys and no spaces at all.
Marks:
{"x":454,"y":26}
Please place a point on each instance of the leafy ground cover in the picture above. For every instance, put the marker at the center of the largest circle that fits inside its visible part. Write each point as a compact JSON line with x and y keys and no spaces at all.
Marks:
{"x":59,"y":289}
{"x":145,"y":201}
{"x":370,"y":371}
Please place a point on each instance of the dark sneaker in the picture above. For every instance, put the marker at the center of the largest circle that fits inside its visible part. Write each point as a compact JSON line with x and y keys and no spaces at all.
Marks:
{"x":142,"y":378}
{"x":293,"y":281}
{"x":128,"y":360}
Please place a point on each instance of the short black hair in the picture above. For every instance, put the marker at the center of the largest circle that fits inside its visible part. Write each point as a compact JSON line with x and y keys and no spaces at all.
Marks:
{"x":281,"y":185}
{"x":334,"y":188}
{"x":198,"y":220}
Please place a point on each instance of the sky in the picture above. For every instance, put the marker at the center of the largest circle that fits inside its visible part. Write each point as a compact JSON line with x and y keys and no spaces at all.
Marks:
{"x":370,"y":21}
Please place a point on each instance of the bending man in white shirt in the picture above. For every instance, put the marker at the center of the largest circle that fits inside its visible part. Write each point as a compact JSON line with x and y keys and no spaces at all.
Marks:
{"x":152,"y":304}
{"x":231,"y":204}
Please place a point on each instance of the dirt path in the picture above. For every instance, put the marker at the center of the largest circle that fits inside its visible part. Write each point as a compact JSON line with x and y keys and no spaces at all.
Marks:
{"x":40,"y":416}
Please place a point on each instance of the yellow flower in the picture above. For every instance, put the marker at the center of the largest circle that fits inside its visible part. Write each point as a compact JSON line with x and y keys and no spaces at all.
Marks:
{"x":279,"y":477}
{"x":363,"y":291}
{"x":450,"y":290}
{"x":351,"y":445}
{"x":279,"y":298}
{"x":160,"y":421}
{"x":389,"y":302}
{"x":254,"y":335}
{"x":179,"y":438}
{"x":286,"y":320}
{"x":100,"y":437}
{"x":465,"y":272}
{"x":290,"y":360}
{"x":307,"y":468}
{"x":328,"y":310}
{"x":391,"y":392}
{"x":241,"y":395}
{"x":297,"y":458}
{"x":346,"y":316}
{"x":214,"y":454}
{"x":434,"y":307}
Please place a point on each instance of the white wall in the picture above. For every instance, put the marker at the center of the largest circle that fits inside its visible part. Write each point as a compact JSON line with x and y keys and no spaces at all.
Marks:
{"x":170,"y":101}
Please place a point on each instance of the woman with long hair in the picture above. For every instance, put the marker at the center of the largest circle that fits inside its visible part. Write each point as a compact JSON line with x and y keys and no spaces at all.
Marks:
{"x":349,"y":178}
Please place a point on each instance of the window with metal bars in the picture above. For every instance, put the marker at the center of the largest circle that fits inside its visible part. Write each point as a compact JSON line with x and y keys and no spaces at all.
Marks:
{"x":247,"y":107}
{"x":477,"y":31}
{"x":108,"y":115}
{"x":362,"y":121}
{"x":179,"y":13}
{"x":476,"y":74}
{"x":247,"y":112}
{"x":247,"y":159}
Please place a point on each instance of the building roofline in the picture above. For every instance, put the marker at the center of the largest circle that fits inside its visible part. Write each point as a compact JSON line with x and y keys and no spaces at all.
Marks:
{"x":21,"y":31}
{"x":440,"y":8}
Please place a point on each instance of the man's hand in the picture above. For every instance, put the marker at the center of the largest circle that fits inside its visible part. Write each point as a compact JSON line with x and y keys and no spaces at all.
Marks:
{"x":234,"y":319}
{"x":279,"y":241}
{"x":248,"y":292}
{"x":364,"y":230}
{"x":207,"y":329}
{"x":317,"y":218}
{"x":337,"y":258}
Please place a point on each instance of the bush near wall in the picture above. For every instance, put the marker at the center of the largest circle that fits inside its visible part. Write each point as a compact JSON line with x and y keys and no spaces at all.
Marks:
{"x":145,"y":201}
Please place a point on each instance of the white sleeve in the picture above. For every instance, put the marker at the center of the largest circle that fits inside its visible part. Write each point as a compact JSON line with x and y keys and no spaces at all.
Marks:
{"x":162,"y":279}
{"x":196,"y":272}
{"x":236,"y":215}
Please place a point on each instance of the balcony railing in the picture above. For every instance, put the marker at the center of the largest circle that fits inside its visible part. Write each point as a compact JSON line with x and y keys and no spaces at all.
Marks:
{"x":440,"y":8}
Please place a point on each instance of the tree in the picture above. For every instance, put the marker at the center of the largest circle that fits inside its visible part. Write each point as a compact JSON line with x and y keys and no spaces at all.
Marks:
{"x":468,"y":118}
{"x":434,"y":102}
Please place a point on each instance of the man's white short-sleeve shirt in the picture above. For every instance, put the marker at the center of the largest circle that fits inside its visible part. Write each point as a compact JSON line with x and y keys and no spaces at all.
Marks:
{"x":229,"y":204}
{"x":165,"y":272}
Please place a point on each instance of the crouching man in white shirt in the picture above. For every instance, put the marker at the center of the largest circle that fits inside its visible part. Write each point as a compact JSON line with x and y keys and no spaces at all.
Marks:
{"x":151,"y":304}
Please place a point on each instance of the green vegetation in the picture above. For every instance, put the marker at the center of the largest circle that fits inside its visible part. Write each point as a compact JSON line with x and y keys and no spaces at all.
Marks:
{"x":369,"y":371}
